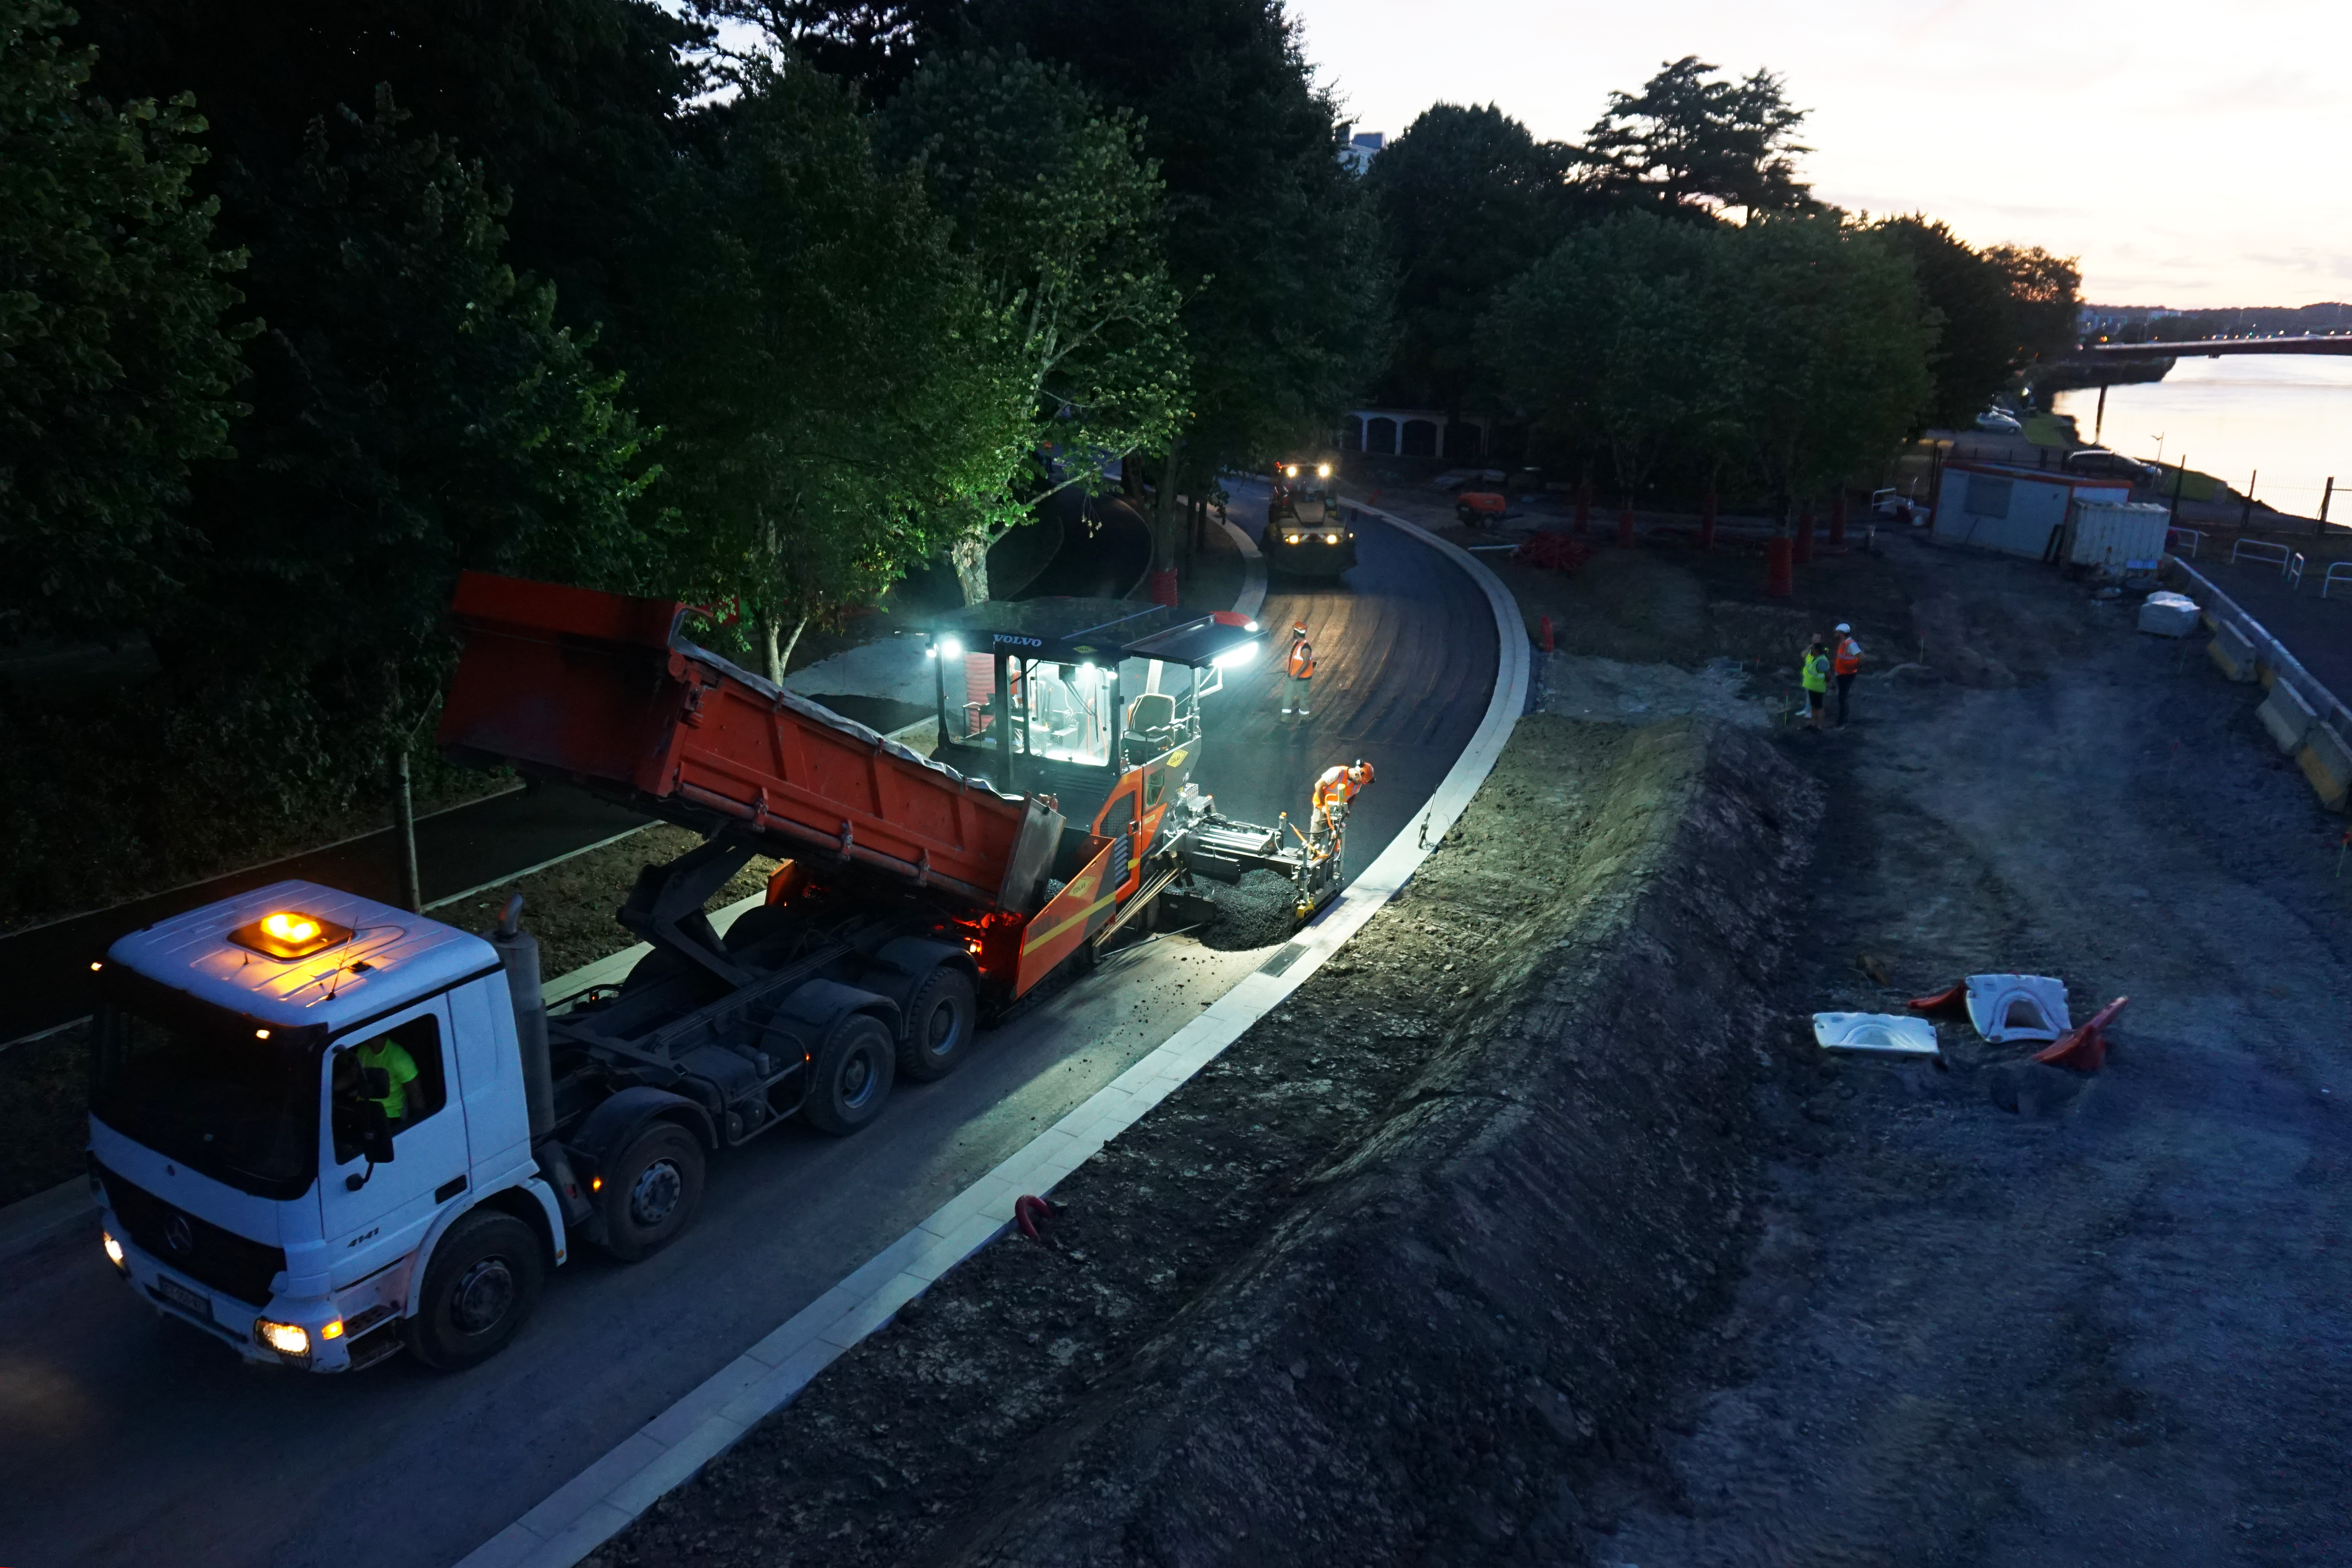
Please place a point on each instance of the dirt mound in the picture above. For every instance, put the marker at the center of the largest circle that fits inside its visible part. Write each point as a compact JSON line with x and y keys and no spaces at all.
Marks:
{"x":1375,"y":1284}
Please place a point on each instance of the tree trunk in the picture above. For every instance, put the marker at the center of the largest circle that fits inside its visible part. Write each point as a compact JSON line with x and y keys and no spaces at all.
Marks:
{"x":1163,"y":512}
{"x":772,"y":659}
{"x":785,"y":659}
{"x":970,"y":554}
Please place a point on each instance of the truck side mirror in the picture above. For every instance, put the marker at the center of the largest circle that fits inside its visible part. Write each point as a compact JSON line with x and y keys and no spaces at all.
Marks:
{"x":375,"y":1134}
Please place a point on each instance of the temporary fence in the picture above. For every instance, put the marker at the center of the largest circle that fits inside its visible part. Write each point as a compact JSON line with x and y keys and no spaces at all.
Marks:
{"x":2260,"y":550}
{"x":2196,"y":537}
{"x":2338,"y":572}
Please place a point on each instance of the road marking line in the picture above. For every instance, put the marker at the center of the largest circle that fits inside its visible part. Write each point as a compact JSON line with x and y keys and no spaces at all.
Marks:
{"x":579,"y":1519}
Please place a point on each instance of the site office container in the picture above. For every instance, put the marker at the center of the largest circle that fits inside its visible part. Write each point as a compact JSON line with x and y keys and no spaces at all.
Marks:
{"x":2015,"y":509}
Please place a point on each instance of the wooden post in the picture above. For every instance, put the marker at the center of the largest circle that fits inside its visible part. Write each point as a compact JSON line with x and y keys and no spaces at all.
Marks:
{"x":2099,"y":422}
{"x":2325,"y":496}
{"x":2179,"y":477}
{"x":2246,"y":503}
{"x":404,"y":821}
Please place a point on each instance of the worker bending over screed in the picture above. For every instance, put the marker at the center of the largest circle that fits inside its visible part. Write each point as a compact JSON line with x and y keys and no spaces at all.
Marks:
{"x":1335,"y":789}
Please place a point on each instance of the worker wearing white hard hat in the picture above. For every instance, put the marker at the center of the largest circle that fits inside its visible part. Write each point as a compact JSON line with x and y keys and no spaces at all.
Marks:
{"x":1846,"y":663}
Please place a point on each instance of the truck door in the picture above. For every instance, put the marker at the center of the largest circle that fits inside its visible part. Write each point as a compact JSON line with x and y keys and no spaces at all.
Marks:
{"x":376,"y":1215}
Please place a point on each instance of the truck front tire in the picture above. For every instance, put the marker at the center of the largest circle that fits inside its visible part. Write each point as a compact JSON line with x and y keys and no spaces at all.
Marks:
{"x":481,"y":1282}
{"x":852,"y":1075}
{"x":940,"y":1017}
{"x":653,"y":1193}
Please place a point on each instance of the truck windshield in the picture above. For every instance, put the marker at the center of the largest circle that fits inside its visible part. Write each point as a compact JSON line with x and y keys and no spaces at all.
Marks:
{"x":194,"y":1083}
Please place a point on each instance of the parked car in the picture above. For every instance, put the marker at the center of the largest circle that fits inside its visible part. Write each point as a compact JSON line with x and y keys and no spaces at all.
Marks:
{"x":1994,"y":419}
{"x":2098,"y":463}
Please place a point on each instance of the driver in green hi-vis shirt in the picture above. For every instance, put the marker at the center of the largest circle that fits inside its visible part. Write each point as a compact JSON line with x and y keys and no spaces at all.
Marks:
{"x":398,"y":1067}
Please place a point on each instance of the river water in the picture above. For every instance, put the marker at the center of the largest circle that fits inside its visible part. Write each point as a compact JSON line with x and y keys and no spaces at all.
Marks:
{"x":2289,"y":417}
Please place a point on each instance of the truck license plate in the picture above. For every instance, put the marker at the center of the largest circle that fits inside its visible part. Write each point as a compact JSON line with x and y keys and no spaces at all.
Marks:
{"x":187,"y":1300}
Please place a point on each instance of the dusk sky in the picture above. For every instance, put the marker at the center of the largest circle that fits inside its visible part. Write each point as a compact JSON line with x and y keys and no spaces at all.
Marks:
{"x":2189,"y":154}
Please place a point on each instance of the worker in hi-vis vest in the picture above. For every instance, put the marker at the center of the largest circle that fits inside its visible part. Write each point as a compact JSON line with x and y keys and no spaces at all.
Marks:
{"x":1300,"y":669}
{"x":1845,"y":664}
{"x":1814,"y":676}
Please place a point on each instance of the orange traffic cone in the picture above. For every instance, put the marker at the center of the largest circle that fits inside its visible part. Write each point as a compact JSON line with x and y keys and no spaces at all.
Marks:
{"x":1952,"y":1004}
{"x":2084,"y":1049}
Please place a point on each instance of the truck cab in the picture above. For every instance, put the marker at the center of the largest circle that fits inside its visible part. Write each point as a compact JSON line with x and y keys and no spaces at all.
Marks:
{"x":1305,"y":532}
{"x":298,"y":1092}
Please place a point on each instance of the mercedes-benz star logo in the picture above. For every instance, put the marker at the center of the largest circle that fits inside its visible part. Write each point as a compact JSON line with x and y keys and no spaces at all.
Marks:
{"x":177,"y":1236}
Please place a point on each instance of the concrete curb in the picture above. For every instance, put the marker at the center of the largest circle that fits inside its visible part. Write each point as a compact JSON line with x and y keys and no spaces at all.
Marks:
{"x":674,"y":1446}
{"x":1253,"y":594}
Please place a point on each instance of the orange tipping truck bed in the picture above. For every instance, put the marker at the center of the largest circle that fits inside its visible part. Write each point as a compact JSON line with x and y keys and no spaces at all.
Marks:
{"x":603,"y":690}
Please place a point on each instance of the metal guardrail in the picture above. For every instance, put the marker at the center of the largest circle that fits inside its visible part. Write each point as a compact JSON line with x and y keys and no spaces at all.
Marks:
{"x":2294,"y":571}
{"x":2338,"y":572}
{"x":2260,"y":550}
{"x":2268,"y":648}
{"x":2196,"y":537}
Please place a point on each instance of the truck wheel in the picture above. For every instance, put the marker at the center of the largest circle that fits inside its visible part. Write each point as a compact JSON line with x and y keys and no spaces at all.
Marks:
{"x":653,"y":1193}
{"x":939,"y":1018}
{"x":481,"y":1283}
{"x":852,"y":1075}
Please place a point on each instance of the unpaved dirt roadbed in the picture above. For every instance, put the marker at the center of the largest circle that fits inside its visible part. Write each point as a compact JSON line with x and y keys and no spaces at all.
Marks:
{"x":2004,"y":1315}
{"x":1381,"y":1279}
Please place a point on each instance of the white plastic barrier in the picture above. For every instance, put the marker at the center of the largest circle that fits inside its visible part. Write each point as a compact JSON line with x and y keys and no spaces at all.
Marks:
{"x":2017,"y":1007}
{"x":1888,"y":1033}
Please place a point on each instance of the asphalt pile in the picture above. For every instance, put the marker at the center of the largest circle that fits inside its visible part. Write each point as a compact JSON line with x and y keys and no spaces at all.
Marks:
{"x":1392,"y":1278}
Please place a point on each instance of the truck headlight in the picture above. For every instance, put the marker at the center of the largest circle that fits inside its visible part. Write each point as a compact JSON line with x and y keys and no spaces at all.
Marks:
{"x":286,"y":1339}
{"x":1330,"y":539}
{"x":113,"y":1251}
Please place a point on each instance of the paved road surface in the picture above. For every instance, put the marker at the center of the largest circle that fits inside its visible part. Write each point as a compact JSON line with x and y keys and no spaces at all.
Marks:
{"x":45,"y":972}
{"x":2318,"y":631}
{"x":120,"y":1436}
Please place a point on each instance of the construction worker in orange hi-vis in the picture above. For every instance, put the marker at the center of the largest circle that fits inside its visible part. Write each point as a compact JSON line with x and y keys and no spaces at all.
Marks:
{"x":1845,"y":663}
{"x":1335,"y":788}
{"x":1301,"y":666}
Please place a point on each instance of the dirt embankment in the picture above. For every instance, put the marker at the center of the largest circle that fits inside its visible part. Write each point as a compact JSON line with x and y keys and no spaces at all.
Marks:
{"x":1396,"y":1270}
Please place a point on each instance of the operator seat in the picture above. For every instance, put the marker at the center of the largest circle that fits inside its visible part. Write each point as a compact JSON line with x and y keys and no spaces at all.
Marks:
{"x":1151,"y":723}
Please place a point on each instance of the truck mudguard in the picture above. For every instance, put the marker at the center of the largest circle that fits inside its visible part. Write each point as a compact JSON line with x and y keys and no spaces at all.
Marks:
{"x":535,"y":1191}
{"x":611,"y":1125}
{"x":820,"y":1003}
{"x":915,"y":957}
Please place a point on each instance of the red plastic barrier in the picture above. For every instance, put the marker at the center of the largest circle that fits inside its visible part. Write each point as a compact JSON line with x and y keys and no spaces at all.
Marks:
{"x":2085,"y":1049}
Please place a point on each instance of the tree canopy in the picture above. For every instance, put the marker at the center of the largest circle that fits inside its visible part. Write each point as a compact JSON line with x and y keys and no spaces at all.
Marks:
{"x":1054,"y":207}
{"x":1692,"y":142}
{"x":116,"y":371}
{"x":1467,"y":200}
{"x":1796,"y":347}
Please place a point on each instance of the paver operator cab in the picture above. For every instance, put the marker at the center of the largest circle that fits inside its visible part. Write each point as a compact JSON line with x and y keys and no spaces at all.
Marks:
{"x":1305,"y":532}
{"x":323,"y":1128}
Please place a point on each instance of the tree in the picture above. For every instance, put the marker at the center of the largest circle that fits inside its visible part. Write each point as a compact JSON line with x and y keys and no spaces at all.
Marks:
{"x":876,"y":44}
{"x":1615,"y":339}
{"x":1054,"y":205}
{"x":2046,"y":299}
{"x":847,"y":386}
{"x":1467,"y":201}
{"x":1832,"y":339}
{"x":115,"y":369}
{"x":575,"y":108}
{"x":416,"y":411}
{"x":1977,"y":349}
{"x":1269,"y":236}
{"x":1689,"y":142}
